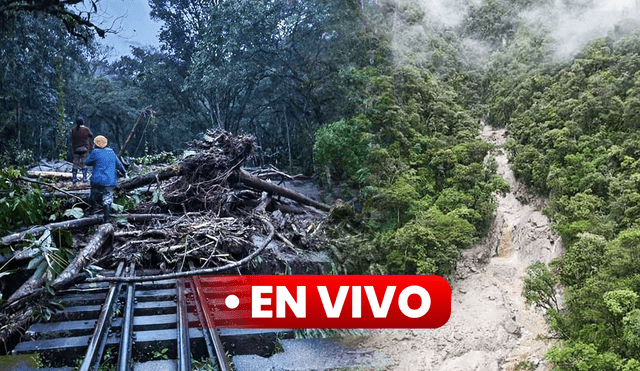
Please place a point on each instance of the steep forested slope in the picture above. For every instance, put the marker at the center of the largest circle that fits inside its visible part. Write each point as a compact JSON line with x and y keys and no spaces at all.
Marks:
{"x":425,"y":193}
{"x":574,"y":136}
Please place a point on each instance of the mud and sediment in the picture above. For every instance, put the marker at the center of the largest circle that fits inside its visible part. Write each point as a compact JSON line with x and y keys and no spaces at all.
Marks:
{"x":491,"y":327}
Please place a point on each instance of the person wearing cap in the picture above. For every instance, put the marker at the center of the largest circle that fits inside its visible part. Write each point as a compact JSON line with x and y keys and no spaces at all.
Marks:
{"x":81,"y":146}
{"x":103,"y":180}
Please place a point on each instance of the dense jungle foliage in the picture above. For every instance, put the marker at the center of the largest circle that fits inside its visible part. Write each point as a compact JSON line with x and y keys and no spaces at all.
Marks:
{"x":574,"y":136}
{"x":381,"y":101}
{"x":271,"y":68}
{"x":424,"y":191}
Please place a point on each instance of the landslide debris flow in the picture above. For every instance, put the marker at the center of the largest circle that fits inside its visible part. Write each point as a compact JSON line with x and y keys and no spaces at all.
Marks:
{"x":491,"y":327}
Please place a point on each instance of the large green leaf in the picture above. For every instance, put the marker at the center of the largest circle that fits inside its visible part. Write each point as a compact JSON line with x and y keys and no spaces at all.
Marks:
{"x":75,"y":212}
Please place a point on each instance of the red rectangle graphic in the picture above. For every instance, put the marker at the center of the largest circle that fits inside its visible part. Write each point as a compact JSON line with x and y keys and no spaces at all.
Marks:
{"x":324,"y":301}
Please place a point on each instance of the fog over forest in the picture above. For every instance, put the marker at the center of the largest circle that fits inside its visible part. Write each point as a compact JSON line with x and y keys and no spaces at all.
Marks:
{"x":569,"y":24}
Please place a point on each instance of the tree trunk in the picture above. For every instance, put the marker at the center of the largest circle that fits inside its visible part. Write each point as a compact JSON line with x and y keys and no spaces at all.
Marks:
{"x":33,"y":285}
{"x":143,"y":113}
{"x":286,"y":123}
{"x":105,"y":231}
{"x":68,"y":224}
{"x":19,"y":255}
{"x":35,"y":231}
{"x":244,"y":177}
{"x":49,"y":174}
{"x":140,"y":181}
{"x":18,"y":322}
{"x":257,"y":183}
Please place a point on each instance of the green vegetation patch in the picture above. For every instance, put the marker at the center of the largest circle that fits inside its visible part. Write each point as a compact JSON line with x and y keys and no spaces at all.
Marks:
{"x":425,"y":189}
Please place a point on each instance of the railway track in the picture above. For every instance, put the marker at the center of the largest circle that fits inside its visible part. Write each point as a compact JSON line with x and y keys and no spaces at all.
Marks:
{"x":132,"y":324}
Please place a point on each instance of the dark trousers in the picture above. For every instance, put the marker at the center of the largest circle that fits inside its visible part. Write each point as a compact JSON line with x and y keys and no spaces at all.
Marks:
{"x":79,"y":158}
{"x":101,"y":193}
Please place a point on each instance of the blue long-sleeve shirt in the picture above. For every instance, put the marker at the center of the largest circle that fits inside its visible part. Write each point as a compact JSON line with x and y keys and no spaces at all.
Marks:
{"x":104,"y":162}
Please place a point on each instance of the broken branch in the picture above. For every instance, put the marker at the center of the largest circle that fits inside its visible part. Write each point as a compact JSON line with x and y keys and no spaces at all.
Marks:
{"x":167,"y":276}
{"x":104,"y":232}
{"x":33,"y":285}
{"x":257,"y":183}
{"x":77,"y":223}
{"x":143,"y":180}
{"x":35,"y":231}
{"x":52,"y":186}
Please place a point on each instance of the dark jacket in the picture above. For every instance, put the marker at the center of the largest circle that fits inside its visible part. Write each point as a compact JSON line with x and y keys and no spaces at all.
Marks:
{"x":104,"y":162}
{"x":81,"y":137}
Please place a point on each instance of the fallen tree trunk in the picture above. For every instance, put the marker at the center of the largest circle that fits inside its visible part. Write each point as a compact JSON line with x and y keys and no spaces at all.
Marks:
{"x":17,"y":322}
{"x":34,"y":284}
{"x":143,"y":180}
{"x":58,"y":175}
{"x":257,"y":183}
{"x":243,"y":177}
{"x":19,"y":255}
{"x":76,"y":223}
{"x":35,"y":231}
{"x":50,"y":174}
{"x":104,"y":232}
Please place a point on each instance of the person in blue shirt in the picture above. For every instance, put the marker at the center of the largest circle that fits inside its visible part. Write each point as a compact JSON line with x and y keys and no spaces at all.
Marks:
{"x":105,"y":164}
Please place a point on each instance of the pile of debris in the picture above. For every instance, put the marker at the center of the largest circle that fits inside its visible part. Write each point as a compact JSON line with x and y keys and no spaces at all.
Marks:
{"x":55,"y":166}
{"x":204,"y":214}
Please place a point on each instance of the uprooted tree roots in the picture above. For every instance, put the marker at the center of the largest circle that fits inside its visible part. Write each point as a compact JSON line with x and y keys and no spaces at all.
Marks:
{"x":204,"y":173}
{"x":206,"y":215}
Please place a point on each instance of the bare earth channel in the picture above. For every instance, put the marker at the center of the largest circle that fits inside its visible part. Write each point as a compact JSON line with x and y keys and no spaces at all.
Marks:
{"x":491,"y":327}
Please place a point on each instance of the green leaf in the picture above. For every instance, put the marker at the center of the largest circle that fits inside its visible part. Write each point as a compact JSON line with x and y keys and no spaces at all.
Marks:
{"x":35,"y":262}
{"x":62,"y":237}
{"x":157,"y":196}
{"x":40,"y":271}
{"x":75,"y":212}
{"x":620,"y":302}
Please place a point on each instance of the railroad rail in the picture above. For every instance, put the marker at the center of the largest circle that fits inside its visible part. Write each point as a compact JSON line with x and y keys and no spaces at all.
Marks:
{"x":122,"y":322}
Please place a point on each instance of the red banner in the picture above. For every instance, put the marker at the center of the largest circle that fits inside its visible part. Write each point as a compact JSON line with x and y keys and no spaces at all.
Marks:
{"x":324,"y":301}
